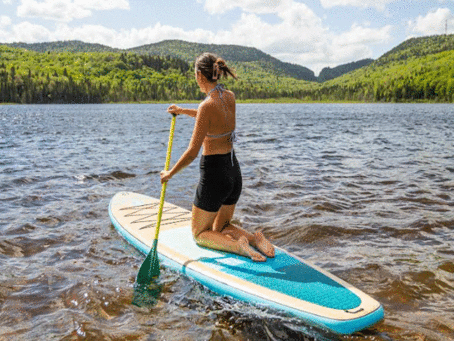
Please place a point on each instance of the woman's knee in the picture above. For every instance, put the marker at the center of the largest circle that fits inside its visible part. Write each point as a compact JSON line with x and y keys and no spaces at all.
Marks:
{"x":224,"y":217}
{"x":196,"y":231}
{"x":201,"y":221}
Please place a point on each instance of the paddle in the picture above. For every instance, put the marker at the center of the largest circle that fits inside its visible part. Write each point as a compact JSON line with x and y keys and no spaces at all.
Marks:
{"x":150,"y":266}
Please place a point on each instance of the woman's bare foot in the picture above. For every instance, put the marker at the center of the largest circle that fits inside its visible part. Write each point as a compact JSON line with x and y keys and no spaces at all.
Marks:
{"x":248,"y":251}
{"x":263,"y":245}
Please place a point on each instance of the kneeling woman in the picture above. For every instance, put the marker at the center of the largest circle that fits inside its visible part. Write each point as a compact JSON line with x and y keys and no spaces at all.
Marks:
{"x":220,"y":177}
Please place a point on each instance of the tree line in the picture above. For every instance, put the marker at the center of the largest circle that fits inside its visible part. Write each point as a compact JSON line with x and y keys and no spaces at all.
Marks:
{"x":415,"y":79}
{"x":105,"y":77}
{"x":31,"y":77}
{"x":67,"y":77}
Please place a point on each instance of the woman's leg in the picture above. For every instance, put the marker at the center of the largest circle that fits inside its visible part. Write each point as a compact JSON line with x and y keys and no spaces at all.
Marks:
{"x":204,"y":235}
{"x":223,"y":224}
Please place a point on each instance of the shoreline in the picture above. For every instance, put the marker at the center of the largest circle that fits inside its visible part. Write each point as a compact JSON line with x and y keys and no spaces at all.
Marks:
{"x":282,"y":100}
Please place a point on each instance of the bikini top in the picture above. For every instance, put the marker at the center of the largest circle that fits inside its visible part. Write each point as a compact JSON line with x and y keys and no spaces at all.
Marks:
{"x":233,"y":137}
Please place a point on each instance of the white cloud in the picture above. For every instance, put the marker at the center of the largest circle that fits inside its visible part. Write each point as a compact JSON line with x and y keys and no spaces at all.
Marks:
{"x":302,"y":38}
{"x":4,"y":21}
{"x":344,"y":48}
{"x":66,"y":10}
{"x":249,"y":30}
{"x":252,"y":6}
{"x":60,"y":10}
{"x":359,"y":35}
{"x":159,"y":32}
{"x":356,"y":44}
{"x":86,"y":33}
{"x":30,"y":33}
{"x":299,"y":36}
{"x":102,"y":5}
{"x":128,"y":38}
{"x":7,"y":2}
{"x":379,"y":4}
{"x":433,"y":23}
{"x":299,"y":27}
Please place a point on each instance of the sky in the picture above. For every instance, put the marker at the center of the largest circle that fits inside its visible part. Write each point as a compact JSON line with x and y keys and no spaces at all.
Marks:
{"x":312,"y":33}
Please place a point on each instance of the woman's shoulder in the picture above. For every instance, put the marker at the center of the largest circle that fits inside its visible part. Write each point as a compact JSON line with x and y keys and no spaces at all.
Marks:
{"x":230,"y":93}
{"x":206,"y":107}
{"x":228,"y":96}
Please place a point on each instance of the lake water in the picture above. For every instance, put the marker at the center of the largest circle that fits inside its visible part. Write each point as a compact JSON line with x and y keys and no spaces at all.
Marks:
{"x":364,"y":191}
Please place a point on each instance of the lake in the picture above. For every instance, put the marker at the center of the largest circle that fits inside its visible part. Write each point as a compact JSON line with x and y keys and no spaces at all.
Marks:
{"x":365,"y":191}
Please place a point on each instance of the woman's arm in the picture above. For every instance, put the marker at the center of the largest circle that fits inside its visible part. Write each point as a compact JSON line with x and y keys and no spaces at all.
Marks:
{"x":198,"y":135}
{"x":174,"y":109}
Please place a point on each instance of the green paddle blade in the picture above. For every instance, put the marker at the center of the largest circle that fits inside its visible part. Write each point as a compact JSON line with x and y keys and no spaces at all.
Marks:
{"x":147,"y":296}
{"x":150,"y":267}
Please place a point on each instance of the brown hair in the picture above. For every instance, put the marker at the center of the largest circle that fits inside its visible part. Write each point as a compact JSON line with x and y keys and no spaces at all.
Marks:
{"x":213,"y":67}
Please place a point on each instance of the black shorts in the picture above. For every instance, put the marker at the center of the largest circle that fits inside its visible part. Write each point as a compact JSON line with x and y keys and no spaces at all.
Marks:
{"x":220,"y":182}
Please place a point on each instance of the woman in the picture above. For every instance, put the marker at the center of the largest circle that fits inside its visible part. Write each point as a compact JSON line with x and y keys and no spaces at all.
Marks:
{"x":220,"y":177}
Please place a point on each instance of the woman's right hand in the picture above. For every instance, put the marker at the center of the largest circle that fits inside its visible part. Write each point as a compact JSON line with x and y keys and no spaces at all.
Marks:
{"x":165,"y":176}
{"x":174,"y":109}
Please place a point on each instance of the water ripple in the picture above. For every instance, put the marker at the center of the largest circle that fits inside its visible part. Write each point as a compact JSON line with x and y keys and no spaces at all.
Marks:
{"x":364,"y":191}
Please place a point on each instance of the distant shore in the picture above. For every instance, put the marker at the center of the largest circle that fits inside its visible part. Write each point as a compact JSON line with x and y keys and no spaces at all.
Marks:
{"x":285,"y":100}
{"x":282,"y":100}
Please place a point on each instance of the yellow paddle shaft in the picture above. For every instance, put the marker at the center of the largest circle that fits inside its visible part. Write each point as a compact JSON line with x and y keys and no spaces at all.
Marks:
{"x":164,"y":185}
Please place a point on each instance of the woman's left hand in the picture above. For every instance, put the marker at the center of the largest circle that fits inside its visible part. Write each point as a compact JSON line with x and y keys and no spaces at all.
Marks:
{"x":174,"y":109}
{"x":165,"y":176}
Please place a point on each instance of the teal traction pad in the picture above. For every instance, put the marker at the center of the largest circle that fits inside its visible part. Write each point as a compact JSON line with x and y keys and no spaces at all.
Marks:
{"x":283,"y":273}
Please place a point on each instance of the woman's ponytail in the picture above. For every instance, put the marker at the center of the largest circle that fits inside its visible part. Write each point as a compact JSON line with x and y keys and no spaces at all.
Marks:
{"x":213,"y":67}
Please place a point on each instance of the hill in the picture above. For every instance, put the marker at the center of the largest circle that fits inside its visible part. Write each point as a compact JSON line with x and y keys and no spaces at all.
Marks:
{"x":99,"y":77}
{"x":64,"y":46}
{"x":419,"y":69}
{"x":418,"y":47}
{"x":239,"y":55}
{"x":331,"y":73}
{"x":245,"y":58}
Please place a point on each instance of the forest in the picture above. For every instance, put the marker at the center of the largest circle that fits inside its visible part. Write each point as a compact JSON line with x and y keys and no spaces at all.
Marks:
{"x":419,"y":69}
{"x":67,"y":77}
{"x":104,"y":77}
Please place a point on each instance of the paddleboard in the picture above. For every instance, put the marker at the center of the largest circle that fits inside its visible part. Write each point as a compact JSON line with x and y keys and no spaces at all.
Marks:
{"x":286,"y":282}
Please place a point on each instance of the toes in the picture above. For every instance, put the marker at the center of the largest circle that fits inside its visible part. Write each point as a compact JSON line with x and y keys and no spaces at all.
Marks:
{"x":263,"y":244}
{"x":255,"y":256}
{"x":259,"y":258}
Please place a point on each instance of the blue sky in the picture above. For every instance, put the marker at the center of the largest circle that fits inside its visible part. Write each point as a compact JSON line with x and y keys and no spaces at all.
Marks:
{"x":312,"y":33}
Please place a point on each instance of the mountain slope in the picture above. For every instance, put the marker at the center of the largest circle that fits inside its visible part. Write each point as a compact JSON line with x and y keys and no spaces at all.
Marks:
{"x":64,"y":46}
{"x":239,"y":56}
{"x":331,"y":73}
{"x":418,"y":47}
{"x":232,"y":53}
{"x":102,"y":77}
{"x":419,"y":69}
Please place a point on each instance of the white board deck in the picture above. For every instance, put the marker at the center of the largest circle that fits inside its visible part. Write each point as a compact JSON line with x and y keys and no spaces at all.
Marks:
{"x":285,"y":282}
